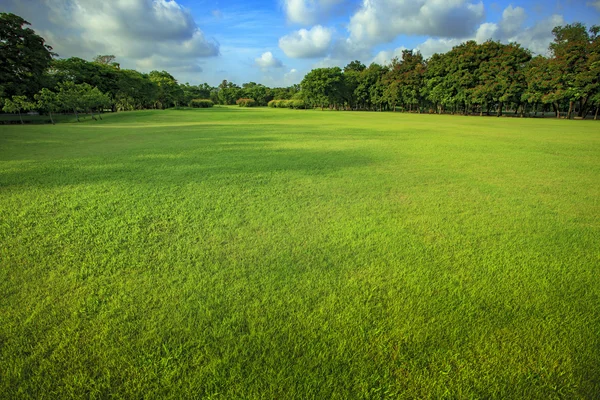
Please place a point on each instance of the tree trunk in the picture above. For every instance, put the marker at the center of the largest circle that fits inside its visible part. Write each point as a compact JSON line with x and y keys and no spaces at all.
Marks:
{"x":20,"y":117}
{"x":92,"y":112}
{"x":583,"y":108}
{"x":570,"y":112}
{"x":596,"y":115}
{"x":500,"y":109}
{"x":51,"y":119}
{"x":76,"y":115}
{"x":556,"y":109}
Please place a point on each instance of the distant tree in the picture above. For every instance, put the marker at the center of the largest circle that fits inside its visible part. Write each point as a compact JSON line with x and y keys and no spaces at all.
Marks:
{"x":324,"y":87}
{"x":169,"y":92}
{"x":570,"y":54}
{"x":107,"y":60}
{"x":48,"y":101}
{"x":70,"y":96}
{"x":17,"y":104}
{"x":24,"y":56}
{"x":228,"y":92}
{"x":92,"y":98}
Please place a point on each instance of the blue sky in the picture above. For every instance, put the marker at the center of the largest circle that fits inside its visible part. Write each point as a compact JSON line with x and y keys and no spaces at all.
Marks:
{"x":276,"y":42}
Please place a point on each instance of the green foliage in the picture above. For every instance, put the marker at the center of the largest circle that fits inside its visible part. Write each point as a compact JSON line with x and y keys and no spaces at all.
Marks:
{"x":24,"y":57}
{"x":170,"y":93}
{"x":293,"y":103}
{"x":262,"y":254}
{"x":16,"y":104}
{"x":246,"y":102}
{"x":201,"y":103}
{"x":228,"y":93}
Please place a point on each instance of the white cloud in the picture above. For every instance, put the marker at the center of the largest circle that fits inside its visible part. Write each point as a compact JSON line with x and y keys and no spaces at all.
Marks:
{"x":143,"y":33}
{"x":486,"y":31}
{"x":432,"y":46}
{"x":384,"y":57}
{"x":537,"y":38}
{"x":380,"y":21}
{"x":308,"y":12}
{"x":267,"y":60}
{"x":292,"y":77}
{"x":303,"y":43}
{"x":595,"y":4}
{"x":512,"y":20}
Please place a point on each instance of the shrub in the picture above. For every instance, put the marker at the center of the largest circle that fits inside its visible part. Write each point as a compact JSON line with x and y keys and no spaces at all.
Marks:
{"x":297,"y":104}
{"x":246,"y":102}
{"x":201,"y":103}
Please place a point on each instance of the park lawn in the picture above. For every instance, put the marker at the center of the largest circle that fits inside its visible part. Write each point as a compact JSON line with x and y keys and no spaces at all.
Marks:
{"x":257,"y":253}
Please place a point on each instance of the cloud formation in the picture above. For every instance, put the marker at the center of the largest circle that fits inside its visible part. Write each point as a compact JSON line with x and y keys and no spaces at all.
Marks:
{"x":595,"y":4}
{"x":147,"y":33}
{"x":381,"y":21}
{"x":267,"y":60}
{"x":308,"y":12}
{"x":303,"y":43}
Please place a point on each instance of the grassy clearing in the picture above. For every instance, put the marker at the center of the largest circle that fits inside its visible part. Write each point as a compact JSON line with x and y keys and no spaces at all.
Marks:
{"x":257,"y":253}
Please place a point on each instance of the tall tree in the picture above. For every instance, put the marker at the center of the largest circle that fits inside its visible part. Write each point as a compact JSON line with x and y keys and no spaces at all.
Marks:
{"x":324,"y":87}
{"x":24,"y":56}
{"x":569,"y":52}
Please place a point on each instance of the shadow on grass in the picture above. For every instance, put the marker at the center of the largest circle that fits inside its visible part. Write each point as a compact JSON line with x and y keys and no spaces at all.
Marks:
{"x":235,"y":160}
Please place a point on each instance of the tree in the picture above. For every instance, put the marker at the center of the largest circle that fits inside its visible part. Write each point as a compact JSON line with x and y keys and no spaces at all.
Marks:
{"x":107,"y":60}
{"x":570,"y":57}
{"x":169,"y":92}
{"x":92,"y":98}
{"x":17,"y":104}
{"x":228,"y":92}
{"x":48,"y":100}
{"x":324,"y":86}
{"x":24,"y":57}
{"x":69,"y":96}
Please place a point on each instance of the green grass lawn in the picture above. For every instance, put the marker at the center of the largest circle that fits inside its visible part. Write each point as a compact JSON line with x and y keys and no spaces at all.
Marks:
{"x":257,"y":253}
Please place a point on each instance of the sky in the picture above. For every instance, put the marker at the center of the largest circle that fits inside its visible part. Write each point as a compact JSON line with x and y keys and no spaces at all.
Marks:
{"x":276,"y":42}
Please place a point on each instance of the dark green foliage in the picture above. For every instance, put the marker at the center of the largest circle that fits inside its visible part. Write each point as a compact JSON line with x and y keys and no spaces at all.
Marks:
{"x":24,"y":57}
{"x":201,"y":103}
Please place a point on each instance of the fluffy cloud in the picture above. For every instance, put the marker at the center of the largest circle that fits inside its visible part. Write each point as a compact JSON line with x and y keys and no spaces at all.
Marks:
{"x":537,"y":38}
{"x":142,"y":33}
{"x":303,"y":43}
{"x":267,"y":60}
{"x":380,"y":21}
{"x":308,"y":12}
{"x":512,"y":20}
{"x":292,"y":77}
{"x":510,"y":29}
{"x":384,"y":57}
{"x":595,"y":4}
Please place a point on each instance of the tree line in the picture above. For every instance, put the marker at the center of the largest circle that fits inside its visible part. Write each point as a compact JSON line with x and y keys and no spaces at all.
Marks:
{"x":472,"y":78}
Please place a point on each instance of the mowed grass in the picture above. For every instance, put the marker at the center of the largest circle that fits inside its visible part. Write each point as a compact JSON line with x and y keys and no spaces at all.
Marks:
{"x":256,"y":253}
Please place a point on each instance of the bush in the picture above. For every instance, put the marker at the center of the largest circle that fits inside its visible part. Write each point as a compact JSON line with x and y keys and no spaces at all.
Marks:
{"x":201,"y":103}
{"x":286,"y":104}
{"x":297,"y":104}
{"x":246,"y":102}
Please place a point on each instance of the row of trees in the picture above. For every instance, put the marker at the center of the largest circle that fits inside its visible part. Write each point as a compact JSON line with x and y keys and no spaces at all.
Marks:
{"x":471,"y":78}
{"x":32,"y":79}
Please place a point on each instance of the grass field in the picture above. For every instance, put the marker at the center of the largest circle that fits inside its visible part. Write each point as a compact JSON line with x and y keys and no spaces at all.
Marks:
{"x":256,"y":253}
